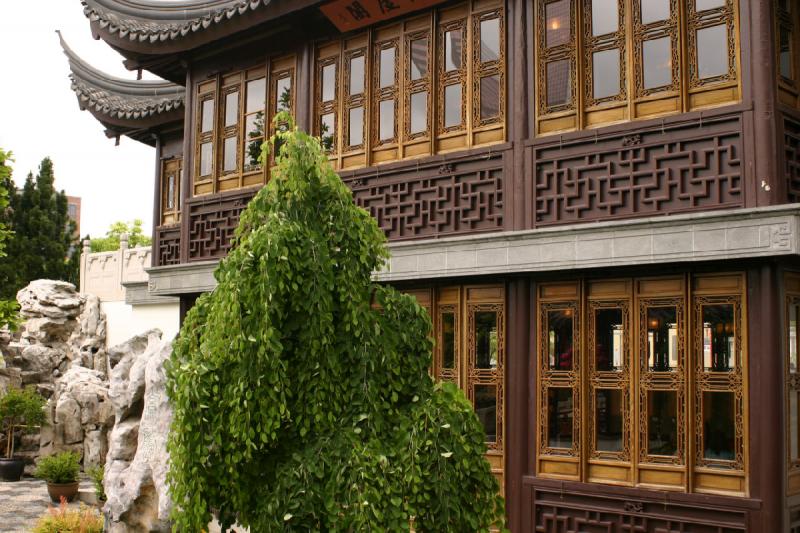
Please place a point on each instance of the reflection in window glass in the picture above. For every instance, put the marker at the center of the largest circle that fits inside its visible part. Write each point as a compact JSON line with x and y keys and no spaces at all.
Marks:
{"x":170,"y":192}
{"x":256,"y":95}
{"x":207,"y":122}
{"x":662,"y":339}
{"x":712,"y":52}
{"x":560,"y":339}
{"x":356,"y":75}
{"x":419,"y":112}
{"x":657,"y":63}
{"x":490,"y":40}
{"x":490,"y":97}
{"x":448,"y":340}
{"x":231,"y":108}
{"x":386,"y":118}
{"x":486,"y":409}
{"x":254,"y":131}
{"x":419,"y":59}
{"x":329,"y":82}
{"x":605,"y":17}
{"x":559,"y":417}
{"x":719,"y":426}
{"x":284,"y":91}
{"x":704,"y":5}
{"x":452,"y":105}
{"x":786,"y":54}
{"x":606,"y":73}
{"x":794,"y":426}
{"x":206,"y":152}
{"x":719,"y":338}
{"x":794,"y":312}
{"x":559,"y":83}
{"x":486,"y":339}
{"x":558,"y":21}
{"x":609,"y":338}
{"x":655,"y":11}
{"x":387,"y":67}
{"x":327,"y":131}
{"x":662,"y":422}
{"x":608,"y":420}
{"x":229,"y":148}
{"x":452,"y":50}
{"x":356,"y":124}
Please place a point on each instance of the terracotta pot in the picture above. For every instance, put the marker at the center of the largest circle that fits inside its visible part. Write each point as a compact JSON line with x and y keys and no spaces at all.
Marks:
{"x":11,"y":469}
{"x":67,"y":490}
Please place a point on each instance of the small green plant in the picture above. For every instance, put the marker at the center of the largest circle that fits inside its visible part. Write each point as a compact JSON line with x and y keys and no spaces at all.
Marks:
{"x":61,"y":519}
{"x":96,"y":473}
{"x":19,"y":409}
{"x":59,"y":468}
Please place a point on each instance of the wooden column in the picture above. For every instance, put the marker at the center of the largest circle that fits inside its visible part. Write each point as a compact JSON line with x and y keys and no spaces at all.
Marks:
{"x":188,"y":164}
{"x":156,"y":203}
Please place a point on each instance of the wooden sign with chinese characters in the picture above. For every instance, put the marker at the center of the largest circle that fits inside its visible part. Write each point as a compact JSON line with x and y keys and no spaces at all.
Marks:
{"x":350,"y":15}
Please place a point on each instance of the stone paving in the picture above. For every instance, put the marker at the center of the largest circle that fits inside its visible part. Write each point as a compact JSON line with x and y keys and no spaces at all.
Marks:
{"x":23,"y":502}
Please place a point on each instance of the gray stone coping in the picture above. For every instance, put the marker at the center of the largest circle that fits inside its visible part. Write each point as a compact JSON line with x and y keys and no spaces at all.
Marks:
{"x":138,"y":293}
{"x":706,"y":236}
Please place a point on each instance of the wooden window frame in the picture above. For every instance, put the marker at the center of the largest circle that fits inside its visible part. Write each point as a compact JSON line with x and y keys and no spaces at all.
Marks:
{"x":792,"y":379}
{"x":171,"y":215}
{"x":788,"y":88}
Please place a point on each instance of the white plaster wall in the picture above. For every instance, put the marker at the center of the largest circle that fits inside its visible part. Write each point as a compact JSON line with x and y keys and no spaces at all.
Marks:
{"x":123,"y":321}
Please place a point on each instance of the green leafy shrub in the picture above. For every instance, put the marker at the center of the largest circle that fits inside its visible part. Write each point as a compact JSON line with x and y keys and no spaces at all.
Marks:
{"x":59,"y":468}
{"x":65,"y":520}
{"x":20,"y":409}
{"x":97,"y":473}
{"x":301,"y":394}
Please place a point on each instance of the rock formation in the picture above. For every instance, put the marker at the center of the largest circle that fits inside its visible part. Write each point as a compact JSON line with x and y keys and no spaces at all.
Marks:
{"x":136,"y":465}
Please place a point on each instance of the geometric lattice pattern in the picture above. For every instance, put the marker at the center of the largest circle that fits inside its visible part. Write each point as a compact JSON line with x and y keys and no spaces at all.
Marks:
{"x":555,"y":511}
{"x":168,"y":245}
{"x":213,"y":223}
{"x":791,"y":142}
{"x":646,"y":174}
{"x":445,"y":200}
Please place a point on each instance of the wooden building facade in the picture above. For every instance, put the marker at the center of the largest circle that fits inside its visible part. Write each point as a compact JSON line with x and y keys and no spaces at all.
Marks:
{"x":596,"y":201}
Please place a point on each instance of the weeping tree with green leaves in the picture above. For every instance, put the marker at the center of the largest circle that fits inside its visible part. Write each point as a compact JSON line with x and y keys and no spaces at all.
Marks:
{"x":301,"y":394}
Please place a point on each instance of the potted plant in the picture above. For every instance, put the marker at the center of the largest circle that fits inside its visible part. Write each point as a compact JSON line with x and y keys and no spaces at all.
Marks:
{"x":61,"y":473}
{"x":19,"y":409}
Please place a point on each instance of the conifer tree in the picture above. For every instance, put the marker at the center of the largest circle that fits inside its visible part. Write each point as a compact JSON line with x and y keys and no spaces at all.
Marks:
{"x":301,"y":394}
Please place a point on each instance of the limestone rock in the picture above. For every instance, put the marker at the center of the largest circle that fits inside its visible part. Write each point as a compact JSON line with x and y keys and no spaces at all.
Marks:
{"x":88,"y":341}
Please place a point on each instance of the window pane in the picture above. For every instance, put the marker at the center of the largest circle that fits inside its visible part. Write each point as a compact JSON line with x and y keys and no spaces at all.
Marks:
{"x":559,"y":417}
{"x":486,"y":409}
{"x":662,"y":339}
{"x":254,"y":125}
{"x":448,"y":340}
{"x":206,"y":153}
{"x":452,"y":105}
{"x":703,"y":5}
{"x":327,"y":131}
{"x":386,"y":117}
{"x":657,"y":63}
{"x":356,"y":75}
{"x":452,"y":50}
{"x":283,"y":89}
{"x":490,"y":97}
{"x":605,"y":73}
{"x":559,"y":339}
{"x":256,"y":95}
{"x":794,"y":425}
{"x":719,"y":426}
{"x":329,"y":82}
{"x":605,"y":17}
{"x":387,"y":67}
{"x":490,"y":40}
{"x":170,"y":192}
{"x":231,"y":108}
{"x":557,"y":18}
{"x":559,"y":83}
{"x":662,"y":422}
{"x":786,"y":54}
{"x":794,"y":312}
{"x":419,"y":112}
{"x":654,"y":10}
{"x":609,"y":337}
{"x":207,"y":123}
{"x":608,"y":420}
{"x":229,"y":149}
{"x":486,"y":339}
{"x":712,"y":51}
{"x":419,"y":59}
{"x":719,"y":338}
{"x":356,"y":124}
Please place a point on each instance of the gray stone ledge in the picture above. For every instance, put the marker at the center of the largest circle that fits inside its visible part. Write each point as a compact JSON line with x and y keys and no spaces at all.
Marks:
{"x":137,"y":293}
{"x":187,"y":278}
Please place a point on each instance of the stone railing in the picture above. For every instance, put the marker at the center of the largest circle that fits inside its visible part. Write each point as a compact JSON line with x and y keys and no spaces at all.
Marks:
{"x":105,"y":274}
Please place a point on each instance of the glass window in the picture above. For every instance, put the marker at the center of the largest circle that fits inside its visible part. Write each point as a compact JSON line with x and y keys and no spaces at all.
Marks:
{"x":558,"y":20}
{"x":655,"y":11}
{"x":719,"y":426}
{"x":794,"y":425}
{"x":662,"y":339}
{"x":254,"y":125}
{"x":486,"y":409}
{"x":662,"y":422}
{"x":608,"y":420}
{"x":712,"y":52}
{"x":657,"y":63}
{"x":560,"y":339}
{"x":229,"y":149}
{"x":206,"y":154}
{"x":418,"y":65}
{"x":490,"y":40}
{"x":605,"y":17}
{"x":329,"y":82}
{"x":705,"y":5}
{"x":786,"y":54}
{"x":386,"y":117}
{"x":284,"y":92}
{"x":170,"y":193}
{"x":356,"y":75}
{"x":486,"y":339}
{"x":719,"y":338}
{"x":490,"y":97}
{"x":327,"y":130}
{"x":559,"y":417}
{"x":256,"y":95}
{"x":448,"y":340}
{"x":207,"y":122}
{"x":387,"y":67}
{"x":452,"y":50}
{"x":794,"y":312}
{"x":452,"y":105}
{"x":559,"y":83}
{"x":606,"y":73}
{"x":356,"y":124}
{"x":609,"y":339}
{"x":419,"y":112}
{"x":231,"y":108}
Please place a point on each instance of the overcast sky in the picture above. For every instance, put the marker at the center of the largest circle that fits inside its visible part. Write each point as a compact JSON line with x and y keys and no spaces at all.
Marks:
{"x":39,"y":115}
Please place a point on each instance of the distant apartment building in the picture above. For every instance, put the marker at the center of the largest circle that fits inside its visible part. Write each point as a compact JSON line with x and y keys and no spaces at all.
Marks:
{"x":74,"y":212}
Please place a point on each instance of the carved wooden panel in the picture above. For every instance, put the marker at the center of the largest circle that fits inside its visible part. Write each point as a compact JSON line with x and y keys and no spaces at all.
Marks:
{"x":791,"y":146}
{"x":441,"y":200}
{"x":570,"y":512}
{"x":643,"y":173}
{"x":168,"y":245}
{"x":212,"y":223}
